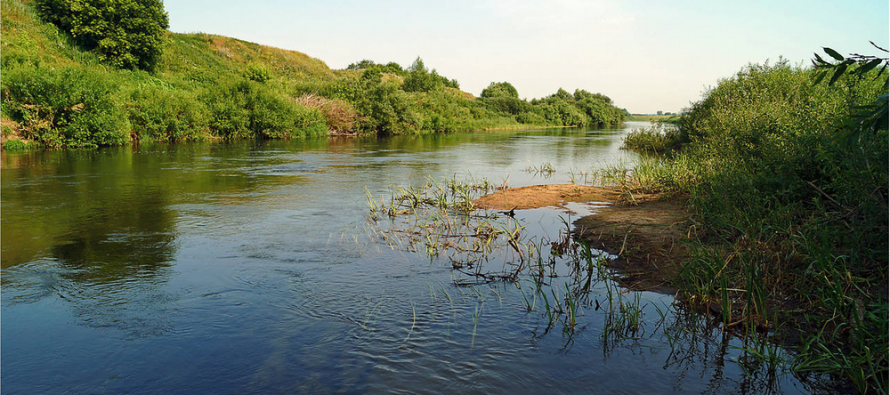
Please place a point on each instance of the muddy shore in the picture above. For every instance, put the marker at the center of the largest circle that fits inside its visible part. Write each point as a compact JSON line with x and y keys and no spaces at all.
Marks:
{"x":644,"y":231}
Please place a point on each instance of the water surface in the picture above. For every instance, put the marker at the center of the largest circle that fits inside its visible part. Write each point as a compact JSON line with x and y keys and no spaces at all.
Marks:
{"x":245,"y":267}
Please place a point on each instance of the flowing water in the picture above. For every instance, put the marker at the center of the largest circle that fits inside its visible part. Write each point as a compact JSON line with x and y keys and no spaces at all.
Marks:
{"x":247,"y":267}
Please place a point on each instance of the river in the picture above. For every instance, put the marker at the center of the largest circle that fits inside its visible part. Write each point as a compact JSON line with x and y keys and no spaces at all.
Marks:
{"x":249,"y":267}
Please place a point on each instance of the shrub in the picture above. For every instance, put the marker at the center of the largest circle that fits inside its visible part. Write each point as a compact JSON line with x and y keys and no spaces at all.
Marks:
{"x":506,"y":104}
{"x":17,"y":145}
{"x":249,"y":109}
{"x":385,"y":109}
{"x":73,"y":107}
{"x":125,"y":33}
{"x":339,"y":115}
{"x":257,"y":72}
{"x":158,"y":114}
{"x":658,"y":138}
{"x":499,"y":89}
{"x":531,"y":118}
{"x":419,"y":79}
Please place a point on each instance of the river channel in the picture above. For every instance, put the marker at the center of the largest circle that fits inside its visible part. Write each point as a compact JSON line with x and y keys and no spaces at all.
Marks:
{"x":249,"y":267}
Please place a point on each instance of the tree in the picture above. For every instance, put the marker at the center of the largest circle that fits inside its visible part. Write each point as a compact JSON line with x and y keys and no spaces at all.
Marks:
{"x":499,"y":89}
{"x":419,"y":79}
{"x":124,"y":33}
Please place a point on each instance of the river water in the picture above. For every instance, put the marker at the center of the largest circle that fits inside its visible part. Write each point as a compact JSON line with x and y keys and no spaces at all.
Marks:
{"x":248,"y":267}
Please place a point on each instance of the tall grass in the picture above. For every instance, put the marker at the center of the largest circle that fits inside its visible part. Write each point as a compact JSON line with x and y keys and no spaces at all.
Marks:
{"x":796,"y":214}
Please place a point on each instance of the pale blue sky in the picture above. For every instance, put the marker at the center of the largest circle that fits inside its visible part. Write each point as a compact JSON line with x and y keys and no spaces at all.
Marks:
{"x":645,"y":55}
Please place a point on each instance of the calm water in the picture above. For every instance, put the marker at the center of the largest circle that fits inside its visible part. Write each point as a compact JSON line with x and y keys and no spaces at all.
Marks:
{"x":244,"y":268}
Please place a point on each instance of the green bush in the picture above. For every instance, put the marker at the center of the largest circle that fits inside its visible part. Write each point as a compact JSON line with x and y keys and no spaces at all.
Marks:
{"x":257,"y":72}
{"x":499,"y":89}
{"x":246,"y":109}
{"x":658,"y":138}
{"x":419,"y":79}
{"x":17,"y":145}
{"x":73,"y":107}
{"x":125,"y":33}
{"x":159,"y":114}
{"x":385,"y":109}
{"x":506,"y":104}
{"x":531,"y":118}
{"x":793,"y":207}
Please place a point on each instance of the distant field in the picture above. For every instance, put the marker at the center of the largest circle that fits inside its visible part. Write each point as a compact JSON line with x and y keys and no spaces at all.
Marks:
{"x":648,"y":117}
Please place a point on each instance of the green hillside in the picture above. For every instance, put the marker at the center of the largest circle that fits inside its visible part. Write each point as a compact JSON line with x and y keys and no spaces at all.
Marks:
{"x":56,"y":93}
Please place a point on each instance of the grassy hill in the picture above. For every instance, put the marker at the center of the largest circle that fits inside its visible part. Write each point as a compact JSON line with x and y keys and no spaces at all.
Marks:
{"x":205,"y":86}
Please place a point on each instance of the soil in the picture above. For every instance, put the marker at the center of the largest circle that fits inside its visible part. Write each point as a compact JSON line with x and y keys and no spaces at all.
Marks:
{"x":544,"y":196}
{"x":645,"y":232}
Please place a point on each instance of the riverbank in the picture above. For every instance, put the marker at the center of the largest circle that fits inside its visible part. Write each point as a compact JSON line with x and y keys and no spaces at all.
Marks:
{"x":58,"y":94}
{"x":789,"y":176}
{"x":646,"y":234}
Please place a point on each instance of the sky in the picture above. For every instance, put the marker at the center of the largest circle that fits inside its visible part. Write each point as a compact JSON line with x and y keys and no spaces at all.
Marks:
{"x":647,"y":56}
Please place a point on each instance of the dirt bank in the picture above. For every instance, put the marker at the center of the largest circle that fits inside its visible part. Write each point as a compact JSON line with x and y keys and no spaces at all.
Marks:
{"x":645,"y":233}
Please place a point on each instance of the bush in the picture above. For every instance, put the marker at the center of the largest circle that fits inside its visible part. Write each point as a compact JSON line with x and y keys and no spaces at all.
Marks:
{"x":419,"y":79}
{"x":385,"y":109}
{"x":531,"y":118}
{"x":506,"y":104}
{"x":159,"y":114}
{"x":499,"y":89}
{"x":339,"y":115}
{"x":73,"y":107}
{"x":658,"y":138}
{"x":17,"y":145}
{"x":125,"y":33}
{"x":247,"y":109}
{"x":792,"y":206}
{"x":257,"y":72}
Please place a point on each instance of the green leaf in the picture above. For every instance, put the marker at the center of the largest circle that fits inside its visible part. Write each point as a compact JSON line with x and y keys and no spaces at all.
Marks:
{"x":820,"y":77}
{"x":833,"y":53}
{"x":837,"y":74}
{"x":868,"y":66}
{"x":819,"y":59}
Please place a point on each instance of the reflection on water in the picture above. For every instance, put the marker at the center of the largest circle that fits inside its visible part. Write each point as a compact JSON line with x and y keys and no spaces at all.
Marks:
{"x":244,"y":267}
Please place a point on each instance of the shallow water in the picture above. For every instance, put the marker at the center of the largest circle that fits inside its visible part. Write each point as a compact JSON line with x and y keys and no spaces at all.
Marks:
{"x":247,"y":267}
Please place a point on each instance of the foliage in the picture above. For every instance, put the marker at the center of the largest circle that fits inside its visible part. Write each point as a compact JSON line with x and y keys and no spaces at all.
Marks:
{"x":158,"y":114}
{"x":499,"y":89}
{"x":245,"y":109}
{"x":391,"y":67}
{"x":125,"y":33}
{"x":797,"y":216}
{"x":69,"y":107}
{"x":385,"y":109}
{"x":419,"y":79}
{"x":17,"y":145}
{"x":870,"y":118}
{"x":654,"y":139}
{"x":207,"y":86}
{"x":579,"y":109}
{"x":257,"y":72}
{"x":339,"y":114}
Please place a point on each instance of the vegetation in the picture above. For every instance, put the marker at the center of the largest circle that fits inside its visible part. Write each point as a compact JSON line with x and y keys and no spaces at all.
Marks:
{"x":789,"y":177}
{"x":58,"y":92}
{"x":654,"y":139}
{"x":124,"y":33}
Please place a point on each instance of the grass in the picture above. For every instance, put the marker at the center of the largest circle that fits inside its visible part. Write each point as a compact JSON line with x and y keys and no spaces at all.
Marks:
{"x":658,"y":138}
{"x":795,"y":214}
{"x":213,"y":87}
